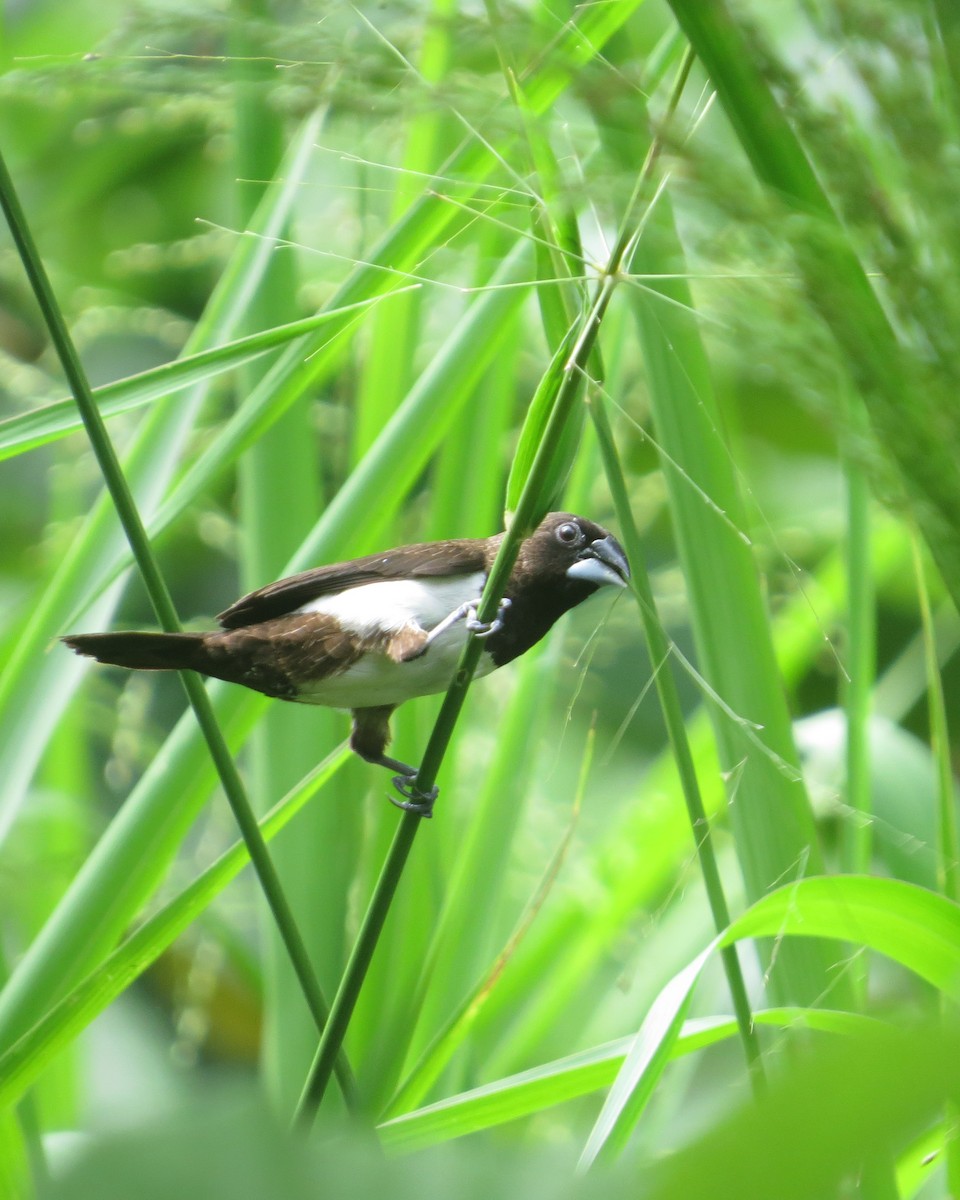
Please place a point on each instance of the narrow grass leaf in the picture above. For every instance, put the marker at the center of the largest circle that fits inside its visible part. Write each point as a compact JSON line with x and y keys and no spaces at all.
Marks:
{"x":107,"y":892}
{"x":463,"y":948}
{"x":162,"y":602}
{"x":643,"y":1065}
{"x":27,"y":431}
{"x":772,"y":821}
{"x":917,"y":928}
{"x":541,"y":1088}
{"x":35,"y":685}
{"x":23,"y":1062}
{"x":534,"y":429}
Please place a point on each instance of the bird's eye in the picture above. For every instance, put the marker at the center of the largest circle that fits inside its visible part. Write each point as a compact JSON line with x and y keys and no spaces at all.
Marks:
{"x":568,"y":533}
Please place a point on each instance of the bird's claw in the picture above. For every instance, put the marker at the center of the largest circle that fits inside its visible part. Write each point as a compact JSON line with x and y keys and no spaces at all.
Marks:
{"x":484,"y":629}
{"x":420,"y":803}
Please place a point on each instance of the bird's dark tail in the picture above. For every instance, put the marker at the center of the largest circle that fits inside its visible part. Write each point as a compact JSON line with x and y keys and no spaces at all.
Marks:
{"x":143,"y":651}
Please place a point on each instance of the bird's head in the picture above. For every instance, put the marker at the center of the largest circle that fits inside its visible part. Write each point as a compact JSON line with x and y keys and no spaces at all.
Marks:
{"x":571,"y":547}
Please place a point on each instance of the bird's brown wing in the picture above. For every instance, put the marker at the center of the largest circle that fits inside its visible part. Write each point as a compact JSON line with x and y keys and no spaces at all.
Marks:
{"x":426,"y":560}
{"x":280,"y":656}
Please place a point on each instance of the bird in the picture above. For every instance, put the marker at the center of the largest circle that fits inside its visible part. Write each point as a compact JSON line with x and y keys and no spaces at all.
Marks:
{"x":371,"y":633}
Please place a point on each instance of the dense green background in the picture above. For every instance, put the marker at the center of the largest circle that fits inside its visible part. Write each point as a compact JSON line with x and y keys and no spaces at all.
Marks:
{"x":779,"y":365}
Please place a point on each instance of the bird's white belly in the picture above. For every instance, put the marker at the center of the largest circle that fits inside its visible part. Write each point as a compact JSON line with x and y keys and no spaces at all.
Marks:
{"x":377,"y":679}
{"x":389,"y":606}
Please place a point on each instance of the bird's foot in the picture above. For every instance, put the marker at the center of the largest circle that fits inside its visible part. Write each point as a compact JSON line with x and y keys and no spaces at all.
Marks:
{"x":468,"y":613}
{"x":415,"y":801}
{"x":483,"y":629}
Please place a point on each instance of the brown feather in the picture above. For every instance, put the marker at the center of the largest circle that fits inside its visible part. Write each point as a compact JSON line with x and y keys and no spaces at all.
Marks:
{"x":370,"y":735}
{"x":408,"y":643}
{"x":277,"y":657}
{"x":424,"y":560}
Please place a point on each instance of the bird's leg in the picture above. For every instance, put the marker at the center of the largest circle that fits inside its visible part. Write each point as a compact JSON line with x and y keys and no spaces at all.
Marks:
{"x":414,"y":800}
{"x":468,"y":611}
{"x":369,"y":738}
{"x":485,"y":629}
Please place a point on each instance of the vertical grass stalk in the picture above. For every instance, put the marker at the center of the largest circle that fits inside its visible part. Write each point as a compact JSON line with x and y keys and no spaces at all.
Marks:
{"x":163,"y":606}
{"x":527,"y":513}
{"x":658,"y":648}
{"x":861,"y":633}
{"x":948,"y":842}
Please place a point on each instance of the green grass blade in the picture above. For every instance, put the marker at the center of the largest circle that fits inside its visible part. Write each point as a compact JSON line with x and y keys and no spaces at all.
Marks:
{"x":530,"y":1093}
{"x":278,"y":494}
{"x":23,"y":1062}
{"x":108,"y":891}
{"x":920,"y":436}
{"x":430,"y":132}
{"x":534,"y":430}
{"x":162,"y":602}
{"x":643,"y":1065}
{"x":917,"y":928}
{"x":771,"y":816}
{"x":461,"y":947}
{"x":658,"y":647}
{"x":15,"y":1166}
{"x":29,"y":430}
{"x":35,"y":685}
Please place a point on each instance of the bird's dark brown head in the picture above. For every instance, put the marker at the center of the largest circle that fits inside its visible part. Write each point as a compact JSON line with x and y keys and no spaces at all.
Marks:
{"x":564,"y":561}
{"x":575,"y":554}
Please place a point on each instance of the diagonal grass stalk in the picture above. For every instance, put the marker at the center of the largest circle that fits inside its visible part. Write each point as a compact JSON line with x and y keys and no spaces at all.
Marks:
{"x":41,"y":426}
{"x":659,"y":650}
{"x":28,"y":1056}
{"x":164,"y":608}
{"x":35,"y":687}
{"x":565,"y":373}
{"x":920,"y":436}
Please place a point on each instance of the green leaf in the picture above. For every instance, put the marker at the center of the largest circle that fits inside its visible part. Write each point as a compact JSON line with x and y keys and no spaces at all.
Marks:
{"x":644,"y":1063}
{"x":23,"y":1062}
{"x":534,"y":429}
{"x":917,"y":928}
{"x":27,"y":431}
{"x":535,"y":1091}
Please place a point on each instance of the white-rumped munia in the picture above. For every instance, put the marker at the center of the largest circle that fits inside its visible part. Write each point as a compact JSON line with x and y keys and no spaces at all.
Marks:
{"x":373,"y":632}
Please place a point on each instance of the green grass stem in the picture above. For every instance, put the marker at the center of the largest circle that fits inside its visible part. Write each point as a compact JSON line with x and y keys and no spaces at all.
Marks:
{"x":166,"y":613}
{"x":23,"y":1061}
{"x":920,"y":437}
{"x":569,"y":369}
{"x":658,"y":646}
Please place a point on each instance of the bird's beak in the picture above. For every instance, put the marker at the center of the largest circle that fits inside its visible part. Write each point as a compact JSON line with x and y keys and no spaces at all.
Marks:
{"x":602,"y":562}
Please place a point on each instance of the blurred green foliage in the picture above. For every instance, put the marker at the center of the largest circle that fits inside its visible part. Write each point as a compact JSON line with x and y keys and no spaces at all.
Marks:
{"x":556,"y":894}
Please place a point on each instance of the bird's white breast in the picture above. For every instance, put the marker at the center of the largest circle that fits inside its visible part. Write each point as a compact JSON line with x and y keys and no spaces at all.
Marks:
{"x":388,"y":607}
